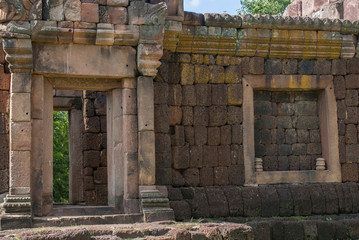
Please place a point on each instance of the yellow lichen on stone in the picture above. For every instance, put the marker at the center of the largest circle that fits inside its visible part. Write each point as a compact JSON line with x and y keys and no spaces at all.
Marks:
{"x":235,"y":96}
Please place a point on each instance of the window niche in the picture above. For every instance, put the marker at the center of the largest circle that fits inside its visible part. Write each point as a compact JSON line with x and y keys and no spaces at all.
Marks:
{"x":290,"y":121}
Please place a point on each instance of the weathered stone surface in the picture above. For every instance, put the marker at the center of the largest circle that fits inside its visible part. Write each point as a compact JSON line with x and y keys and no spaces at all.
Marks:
{"x":72,"y":10}
{"x":251,"y":202}
{"x":218,"y":206}
{"x":301,"y":201}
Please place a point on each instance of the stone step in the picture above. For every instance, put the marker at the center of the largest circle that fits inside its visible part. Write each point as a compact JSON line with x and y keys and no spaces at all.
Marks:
{"x":86,"y":220}
{"x":77,"y":210}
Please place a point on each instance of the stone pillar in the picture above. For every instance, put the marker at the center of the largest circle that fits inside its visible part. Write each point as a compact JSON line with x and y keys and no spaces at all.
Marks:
{"x":146,"y":131}
{"x":76,"y":184}
{"x":42,"y":146}
{"x":19,"y":56}
{"x":130,"y":145}
{"x":115,"y":164}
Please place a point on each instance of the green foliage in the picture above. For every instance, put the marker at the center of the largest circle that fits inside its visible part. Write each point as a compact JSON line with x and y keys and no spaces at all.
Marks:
{"x":262,"y":7}
{"x":61,"y":157}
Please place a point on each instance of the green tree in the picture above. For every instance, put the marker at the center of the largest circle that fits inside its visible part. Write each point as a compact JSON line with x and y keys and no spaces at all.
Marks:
{"x":262,"y":7}
{"x":61,"y":157}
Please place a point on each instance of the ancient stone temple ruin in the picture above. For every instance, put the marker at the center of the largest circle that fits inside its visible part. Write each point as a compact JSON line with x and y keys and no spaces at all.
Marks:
{"x":175,"y":115}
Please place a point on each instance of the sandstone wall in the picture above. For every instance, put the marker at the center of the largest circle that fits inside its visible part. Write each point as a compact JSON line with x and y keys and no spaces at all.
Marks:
{"x":94,"y":148}
{"x":4,"y":123}
{"x":198,"y":124}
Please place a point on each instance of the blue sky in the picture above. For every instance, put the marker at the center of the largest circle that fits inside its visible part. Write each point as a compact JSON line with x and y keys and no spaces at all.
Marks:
{"x":212,"y":6}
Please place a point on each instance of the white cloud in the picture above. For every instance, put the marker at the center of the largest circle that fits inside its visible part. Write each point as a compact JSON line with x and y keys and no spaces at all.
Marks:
{"x":194,"y":3}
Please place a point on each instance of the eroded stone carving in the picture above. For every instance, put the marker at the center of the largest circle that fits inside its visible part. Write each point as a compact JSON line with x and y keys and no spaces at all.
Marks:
{"x":20,"y":10}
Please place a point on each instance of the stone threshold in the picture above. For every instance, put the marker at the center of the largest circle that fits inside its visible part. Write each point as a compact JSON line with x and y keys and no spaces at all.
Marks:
{"x":63,"y":221}
{"x":61,"y":210}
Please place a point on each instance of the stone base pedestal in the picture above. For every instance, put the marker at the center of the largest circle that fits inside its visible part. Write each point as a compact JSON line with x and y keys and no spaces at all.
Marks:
{"x":15,"y":222}
{"x":155,"y":206}
{"x":17,"y":204}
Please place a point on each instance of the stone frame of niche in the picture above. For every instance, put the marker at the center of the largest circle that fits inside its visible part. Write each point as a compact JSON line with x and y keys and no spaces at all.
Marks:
{"x":327,"y":108}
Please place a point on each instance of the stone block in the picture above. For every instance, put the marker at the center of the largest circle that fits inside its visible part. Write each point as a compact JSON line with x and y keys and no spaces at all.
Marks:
{"x":20,"y":82}
{"x":233,"y":74}
{"x":162,"y":121}
{"x":209,"y":60}
{"x":163,"y":160}
{"x":130,"y":138}
{"x":317,"y":198}
{"x":339,"y":87}
{"x":91,"y":159}
{"x":203,"y":94}
{"x":290,"y":66}
{"x":351,"y":115}
{"x":100,"y":175}
{"x":53,"y":10}
{"x":273,"y":66}
{"x":235,"y":201}
{"x":339,"y":67}
{"x":351,"y":98}
{"x":117,"y":15}
{"x":286,"y":206}
{"x":187,"y":74}
{"x":175,"y":115}
{"x":90,"y":12}
{"x":178,"y":138}
{"x":187,"y":116}
{"x":256,"y":65}
{"x":177,"y":178}
{"x":210,"y":156}
{"x":306,"y":67}
{"x":352,"y":81}
{"x":200,"y":116}
{"x":217,"y":74}
{"x":214,"y":136}
{"x":161,"y":92}
{"x":163,"y":143}
{"x":19,"y":169}
{"x":284,"y":149}
{"x":20,"y":107}
{"x":206,"y":176}
{"x":72,"y":10}
{"x":307,"y":122}
{"x":322,"y":67}
{"x":175,"y":95}
{"x":202,"y":74}
{"x":145,"y":104}
{"x":191,"y":177}
{"x":88,"y":108}
{"x":314,"y":148}
{"x":181,"y":209}
{"x":189,"y":135}
{"x":235,"y":94}
{"x":196,"y":156}
{"x":301,"y":200}
{"x":351,"y":134}
{"x":218,"y":205}
{"x":219,"y":94}
{"x":269,"y":201}
{"x":237,"y":134}
{"x":226,"y":135}
{"x":290,"y":136}
{"x":236,"y":175}
{"x":350,"y":172}
{"x":217,"y":115}
{"x":129,"y":103}
{"x":270,"y":163}
{"x":100,"y":105}
{"x":117,"y":3}
{"x":200,"y":135}
{"x":345,"y":201}
{"x":353,"y":66}
{"x":92,"y":141}
{"x":20,"y":136}
{"x":103,"y":14}
{"x":199,"y":204}
{"x":299,"y":149}
{"x":293,"y":230}
{"x":188,"y":95}
{"x":235,"y":115}
{"x":331,"y":198}
{"x":180,"y":157}
{"x":221,"y":176}
{"x":92,"y":124}
{"x":305,"y":162}
{"x":89,"y":183}
{"x":251,"y":202}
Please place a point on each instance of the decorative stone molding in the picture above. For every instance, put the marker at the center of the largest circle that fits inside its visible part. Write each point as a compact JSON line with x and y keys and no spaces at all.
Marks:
{"x":16,"y":204}
{"x":141,"y":13}
{"x":148,"y":56}
{"x":155,"y":206}
{"x":19,"y":54}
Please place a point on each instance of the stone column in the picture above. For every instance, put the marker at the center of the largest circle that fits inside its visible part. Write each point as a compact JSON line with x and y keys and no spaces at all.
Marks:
{"x":76,"y":183}
{"x":130,"y":145}
{"x":115,"y":149}
{"x":19,"y":56}
{"x":42,"y":146}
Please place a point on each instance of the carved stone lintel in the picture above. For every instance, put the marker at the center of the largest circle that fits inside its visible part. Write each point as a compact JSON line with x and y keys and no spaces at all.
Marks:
{"x":17,"y":204}
{"x":19,"y":54}
{"x":141,"y":13}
